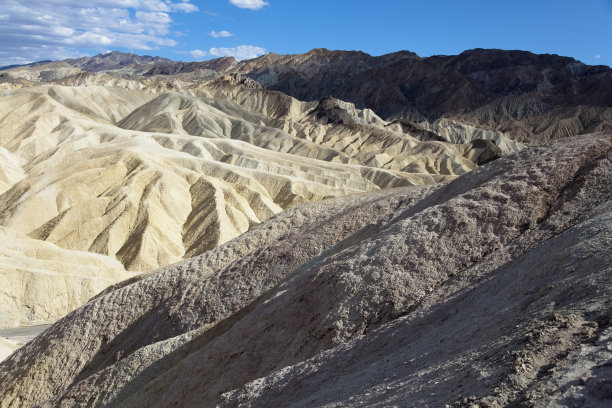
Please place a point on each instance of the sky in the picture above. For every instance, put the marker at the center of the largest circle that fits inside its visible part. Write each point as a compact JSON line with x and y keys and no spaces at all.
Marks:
{"x":193,"y":30}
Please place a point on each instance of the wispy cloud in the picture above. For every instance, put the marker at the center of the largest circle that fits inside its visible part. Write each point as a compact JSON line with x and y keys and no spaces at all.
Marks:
{"x":198,"y":53}
{"x":240,"y":52}
{"x":57,"y":29}
{"x":185,"y":6}
{"x":220,"y":34}
{"x":250,"y":4}
{"x":598,"y":56}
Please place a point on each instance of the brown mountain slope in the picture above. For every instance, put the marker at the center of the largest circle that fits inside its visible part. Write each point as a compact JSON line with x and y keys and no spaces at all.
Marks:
{"x":492,"y":289}
{"x":458,"y":87}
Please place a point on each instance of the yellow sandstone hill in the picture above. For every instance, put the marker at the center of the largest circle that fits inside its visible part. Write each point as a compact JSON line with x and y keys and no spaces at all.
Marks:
{"x":151,"y":171}
{"x":40,"y":282}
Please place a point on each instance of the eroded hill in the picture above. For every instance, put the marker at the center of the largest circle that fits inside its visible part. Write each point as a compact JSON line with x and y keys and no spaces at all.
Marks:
{"x":154,"y":170}
{"x":395,"y":243}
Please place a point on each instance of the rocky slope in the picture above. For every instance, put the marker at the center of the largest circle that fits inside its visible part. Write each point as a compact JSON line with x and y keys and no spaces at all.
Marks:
{"x":492,"y":290}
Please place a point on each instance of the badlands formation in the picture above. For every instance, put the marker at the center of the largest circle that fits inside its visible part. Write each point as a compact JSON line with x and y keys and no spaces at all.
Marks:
{"x":206,"y":240}
{"x":147,"y":176}
{"x":150,"y":170}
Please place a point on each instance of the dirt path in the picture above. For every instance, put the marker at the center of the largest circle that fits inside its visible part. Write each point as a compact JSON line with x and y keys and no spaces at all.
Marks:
{"x":22,"y":335}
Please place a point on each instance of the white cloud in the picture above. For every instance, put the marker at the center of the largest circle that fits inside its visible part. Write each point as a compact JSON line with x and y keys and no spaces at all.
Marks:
{"x":57,"y":29}
{"x":197,"y":53}
{"x":250,"y":4}
{"x":598,"y":56}
{"x":220,"y":34}
{"x":185,"y":7}
{"x":240,"y":52}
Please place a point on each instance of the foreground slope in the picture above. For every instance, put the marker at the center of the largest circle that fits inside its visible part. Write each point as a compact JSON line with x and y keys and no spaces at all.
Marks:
{"x":492,"y":289}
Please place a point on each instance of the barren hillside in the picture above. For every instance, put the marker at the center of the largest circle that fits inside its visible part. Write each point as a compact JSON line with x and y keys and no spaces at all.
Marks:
{"x":492,"y":289}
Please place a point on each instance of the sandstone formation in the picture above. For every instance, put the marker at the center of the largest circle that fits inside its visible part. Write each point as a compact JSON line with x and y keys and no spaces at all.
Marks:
{"x":40,"y":282}
{"x":492,"y":289}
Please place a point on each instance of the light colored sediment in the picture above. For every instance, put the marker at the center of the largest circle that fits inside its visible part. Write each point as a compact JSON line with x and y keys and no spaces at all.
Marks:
{"x":41,"y":282}
{"x":151,"y":171}
{"x":7,"y":347}
{"x":483,"y":290}
{"x":11,"y":170}
{"x":151,"y":178}
{"x":13,"y":338}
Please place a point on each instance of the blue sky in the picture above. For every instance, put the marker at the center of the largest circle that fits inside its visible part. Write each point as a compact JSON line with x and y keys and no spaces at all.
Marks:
{"x":204,"y":29}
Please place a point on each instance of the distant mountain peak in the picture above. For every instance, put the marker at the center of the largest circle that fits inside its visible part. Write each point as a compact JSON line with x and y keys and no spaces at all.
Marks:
{"x":113,"y":60}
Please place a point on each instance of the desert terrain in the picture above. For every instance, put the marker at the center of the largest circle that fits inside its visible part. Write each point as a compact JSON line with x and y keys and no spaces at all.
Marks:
{"x":322,"y":229}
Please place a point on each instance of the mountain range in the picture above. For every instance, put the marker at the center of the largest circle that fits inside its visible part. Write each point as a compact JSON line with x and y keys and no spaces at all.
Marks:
{"x":150,"y":170}
{"x":530,"y":97}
